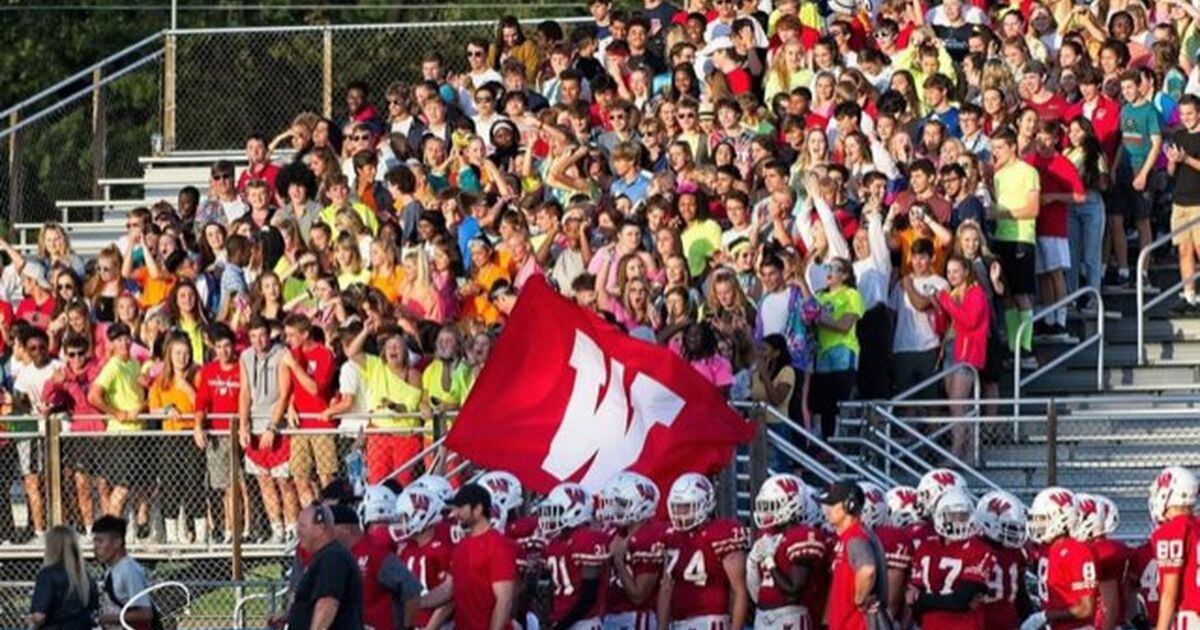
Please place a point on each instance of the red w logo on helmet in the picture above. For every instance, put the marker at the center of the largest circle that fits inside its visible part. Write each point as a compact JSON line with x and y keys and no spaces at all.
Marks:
{"x":647,"y":492}
{"x":1062,"y":499}
{"x":575,"y":494}
{"x":907,"y":498}
{"x":998,"y":506}
{"x":1164,"y":481}
{"x":875,"y":496}
{"x":1087,"y":506}
{"x":420,"y":501}
{"x":498,"y":485}
{"x":788,"y":485}
{"x":944,"y":478}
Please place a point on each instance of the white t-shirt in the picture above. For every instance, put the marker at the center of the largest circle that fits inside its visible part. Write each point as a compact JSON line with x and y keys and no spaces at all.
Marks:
{"x":914,"y":329}
{"x":350,"y":383}
{"x":30,"y":380}
{"x":773,"y":308}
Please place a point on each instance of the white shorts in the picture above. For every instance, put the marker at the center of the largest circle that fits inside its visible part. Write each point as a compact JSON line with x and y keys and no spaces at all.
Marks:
{"x":632,"y":620}
{"x":279,"y":471}
{"x":783,"y":618}
{"x":706,"y":622}
{"x":1053,"y":253}
{"x":29,"y":457}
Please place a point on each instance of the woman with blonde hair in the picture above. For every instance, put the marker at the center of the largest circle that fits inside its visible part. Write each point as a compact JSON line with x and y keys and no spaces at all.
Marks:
{"x":64,"y":595}
{"x":418,"y":295}
{"x":787,"y":71}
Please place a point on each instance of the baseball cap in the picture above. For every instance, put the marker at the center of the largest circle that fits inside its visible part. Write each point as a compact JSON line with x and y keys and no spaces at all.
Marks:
{"x":718,"y":43}
{"x":36,"y":271}
{"x":472,"y":494}
{"x":841,"y":492}
{"x":339,"y":491}
{"x":344,"y":515}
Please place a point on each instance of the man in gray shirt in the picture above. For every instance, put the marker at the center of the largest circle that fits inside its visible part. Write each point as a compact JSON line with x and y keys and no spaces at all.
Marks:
{"x":124,"y":578}
{"x":260,"y":366}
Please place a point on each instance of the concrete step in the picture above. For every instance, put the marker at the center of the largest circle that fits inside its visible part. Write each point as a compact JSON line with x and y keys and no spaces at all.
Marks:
{"x":1120,"y":355}
{"x":1157,"y":329}
{"x":1150,"y":378}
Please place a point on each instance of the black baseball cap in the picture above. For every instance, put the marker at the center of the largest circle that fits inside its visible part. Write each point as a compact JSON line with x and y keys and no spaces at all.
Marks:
{"x":339,"y":491}
{"x":472,"y":494}
{"x":841,"y":492}
{"x":344,"y":514}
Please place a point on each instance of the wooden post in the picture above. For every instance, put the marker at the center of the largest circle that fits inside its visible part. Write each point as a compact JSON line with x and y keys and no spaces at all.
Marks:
{"x":1051,"y":443}
{"x":54,"y":468}
{"x":169,"y":83}
{"x":16,"y":206}
{"x":235,"y":489}
{"x":327,"y":73}
{"x":99,"y":133}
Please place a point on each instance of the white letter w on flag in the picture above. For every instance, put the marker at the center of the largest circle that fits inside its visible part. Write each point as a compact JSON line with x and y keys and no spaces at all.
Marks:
{"x":601,"y":430}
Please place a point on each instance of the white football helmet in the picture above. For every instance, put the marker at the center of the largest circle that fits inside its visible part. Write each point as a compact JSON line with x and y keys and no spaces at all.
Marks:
{"x":874,"y":509}
{"x":378,"y":505}
{"x":691,"y":501}
{"x":1052,"y":514}
{"x":1001,"y":517}
{"x":1112,"y":516}
{"x":811,"y":513}
{"x":779,"y":501}
{"x":903,"y":507}
{"x":507,"y":495}
{"x":952,"y":516}
{"x":1089,"y":522}
{"x":629,"y":498}
{"x":933,"y":484}
{"x":416,"y":510}
{"x":568,"y":505}
{"x":1175,"y":486}
{"x":435,"y":485}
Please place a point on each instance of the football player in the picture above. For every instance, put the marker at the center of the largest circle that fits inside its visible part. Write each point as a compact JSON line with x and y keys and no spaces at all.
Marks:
{"x":377,"y":512}
{"x":1141,"y":583}
{"x":704,"y":581}
{"x":1176,"y":538}
{"x":576,"y":558}
{"x":1065,"y":569}
{"x":638,"y":551}
{"x":950,"y":572}
{"x":786,"y":553}
{"x":449,"y":529}
{"x":1002,"y":525}
{"x":1111,"y":557}
{"x":931,"y":487}
{"x":419,"y":514}
{"x":891,"y":528}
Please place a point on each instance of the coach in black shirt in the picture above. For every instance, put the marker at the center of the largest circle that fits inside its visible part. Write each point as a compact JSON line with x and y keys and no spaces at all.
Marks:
{"x":330,"y":594}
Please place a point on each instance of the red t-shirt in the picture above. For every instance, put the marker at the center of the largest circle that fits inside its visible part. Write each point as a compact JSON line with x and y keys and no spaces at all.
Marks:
{"x":7,"y":317}
{"x":941,"y":566}
{"x":567,"y":555}
{"x":1055,"y":108}
{"x":377,"y":600}
{"x":695,"y":560}
{"x":1008,"y":571}
{"x":1176,"y":543}
{"x":1066,"y":574}
{"x":479,"y":561}
{"x":1143,"y":576}
{"x":36,"y":314}
{"x":739,"y":81}
{"x":1058,"y":176}
{"x":1105,"y":116}
{"x":840,"y":610}
{"x":430,"y":564}
{"x":317,"y":361}
{"x":217,"y":392}
{"x":268,"y":173}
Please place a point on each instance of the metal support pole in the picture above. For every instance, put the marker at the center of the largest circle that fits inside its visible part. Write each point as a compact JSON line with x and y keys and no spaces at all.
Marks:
{"x":759,"y":452}
{"x":327,"y":73}
{"x":99,"y":134}
{"x":54,"y":477}
{"x":236,"y":500}
{"x":1051,"y":443}
{"x":169,"y":83}
{"x":16,"y":207}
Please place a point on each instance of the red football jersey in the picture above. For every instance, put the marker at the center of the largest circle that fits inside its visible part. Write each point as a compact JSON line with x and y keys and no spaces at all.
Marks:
{"x":1143,"y":575}
{"x":448,"y":531}
{"x":816,"y":589}
{"x":566,"y":556}
{"x":645,"y":553}
{"x":1008,"y":570}
{"x":800,"y":544}
{"x":1112,"y":560}
{"x":694,"y":559}
{"x":530,"y":544}
{"x":429,"y":563}
{"x":1177,"y":550}
{"x":921,"y":532}
{"x":1066,"y":574}
{"x":941,"y":566}
{"x":377,"y":609}
{"x":897,"y":546}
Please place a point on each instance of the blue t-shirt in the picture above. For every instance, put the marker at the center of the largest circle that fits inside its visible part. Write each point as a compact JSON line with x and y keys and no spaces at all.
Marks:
{"x":636,"y":190}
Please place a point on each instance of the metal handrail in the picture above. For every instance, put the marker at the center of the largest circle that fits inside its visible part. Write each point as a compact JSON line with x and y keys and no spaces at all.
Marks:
{"x":1142,"y":307}
{"x":1132,"y":399}
{"x":320,"y":28}
{"x":187,"y":593}
{"x":882,"y":452}
{"x":800,"y":457}
{"x":419,"y":457}
{"x":86,"y":72}
{"x":1096,"y":339}
{"x":821,"y":444}
{"x":935,"y":447}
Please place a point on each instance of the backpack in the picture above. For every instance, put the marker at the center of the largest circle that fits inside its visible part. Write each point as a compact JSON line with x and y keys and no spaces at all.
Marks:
{"x":155,"y":616}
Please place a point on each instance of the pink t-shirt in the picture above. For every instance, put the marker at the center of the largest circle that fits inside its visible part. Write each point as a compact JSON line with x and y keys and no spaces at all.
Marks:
{"x":716,"y":369}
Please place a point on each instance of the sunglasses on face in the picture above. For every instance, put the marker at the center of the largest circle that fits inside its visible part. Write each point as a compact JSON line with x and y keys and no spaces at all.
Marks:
{"x":360,"y":137}
{"x":76,"y":354}
{"x":474,"y":53}
{"x":64,"y":287}
{"x":223,"y":177}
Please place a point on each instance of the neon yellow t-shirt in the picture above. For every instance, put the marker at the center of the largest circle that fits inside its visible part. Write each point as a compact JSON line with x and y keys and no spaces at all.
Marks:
{"x":383,"y":385}
{"x":119,"y":381}
{"x":1013,"y":183}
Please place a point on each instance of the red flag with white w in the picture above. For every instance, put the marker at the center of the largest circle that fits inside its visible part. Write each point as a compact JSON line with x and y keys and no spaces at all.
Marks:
{"x":565,"y":396}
